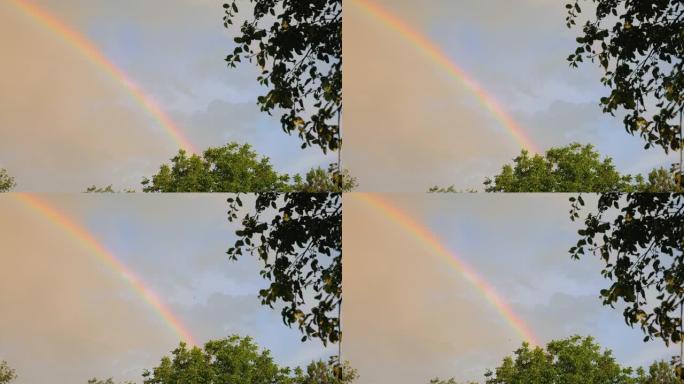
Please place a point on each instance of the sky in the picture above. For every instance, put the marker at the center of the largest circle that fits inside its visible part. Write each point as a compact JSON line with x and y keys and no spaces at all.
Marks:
{"x":409,"y":125}
{"x":66,"y":124}
{"x":410,"y":316}
{"x":68,"y":317}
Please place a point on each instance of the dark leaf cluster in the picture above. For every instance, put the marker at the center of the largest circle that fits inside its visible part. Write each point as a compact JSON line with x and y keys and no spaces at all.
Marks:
{"x":298,"y":47}
{"x":639,"y":45}
{"x":639,"y":237}
{"x":298,"y":239}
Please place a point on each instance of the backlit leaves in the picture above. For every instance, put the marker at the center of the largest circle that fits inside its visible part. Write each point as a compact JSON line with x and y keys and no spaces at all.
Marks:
{"x":639,"y":237}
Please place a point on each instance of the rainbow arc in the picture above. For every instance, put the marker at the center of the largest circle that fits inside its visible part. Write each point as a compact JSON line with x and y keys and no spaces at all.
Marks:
{"x":86,"y":239}
{"x":82,"y":44}
{"x":422,"y":234}
{"x":441,"y":59}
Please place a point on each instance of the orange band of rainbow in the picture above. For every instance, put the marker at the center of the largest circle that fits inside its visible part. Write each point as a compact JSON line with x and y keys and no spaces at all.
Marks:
{"x":84,"y":45}
{"x":441,"y":59}
{"x":89,"y":242}
{"x":435,"y":245}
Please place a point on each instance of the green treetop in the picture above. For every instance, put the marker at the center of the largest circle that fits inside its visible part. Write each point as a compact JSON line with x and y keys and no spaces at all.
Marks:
{"x":236,"y":168}
{"x":231,"y":168}
{"x":566,"y":169}
{"x":7,"y":374}
{"x":233,"y":360}
{"x":573,"y":168}
{"x":238,"y":360}
{"x":6,"y":181}
{"x":574,"y":360}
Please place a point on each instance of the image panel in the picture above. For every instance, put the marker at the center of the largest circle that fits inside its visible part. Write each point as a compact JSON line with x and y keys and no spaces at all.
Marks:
{"x":446,"y":93}
{"x":100,"y":93}
{"x":455,"y":286}
{"x":112,"y":286}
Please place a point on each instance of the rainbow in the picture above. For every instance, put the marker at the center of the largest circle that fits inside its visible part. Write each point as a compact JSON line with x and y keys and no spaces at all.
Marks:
{"x":89,"y":242}
{"x":84,"y":45}
{"x":441,"y":59}
{"x":431,"y":241}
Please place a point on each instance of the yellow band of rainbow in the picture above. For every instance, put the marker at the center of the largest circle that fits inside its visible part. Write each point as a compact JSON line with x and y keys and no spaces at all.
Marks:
{"x":438,"y":56}
{"x":89,"y":49}
{"x":421,"y":233}
{"x":90,"y":243}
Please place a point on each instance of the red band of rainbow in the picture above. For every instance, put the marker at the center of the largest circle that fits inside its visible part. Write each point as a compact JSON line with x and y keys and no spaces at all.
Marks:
{"x":421,"y":233}
{"x":90,"y":243}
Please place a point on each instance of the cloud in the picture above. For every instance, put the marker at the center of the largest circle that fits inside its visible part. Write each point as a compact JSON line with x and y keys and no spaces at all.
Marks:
{"x":65,"y":317}
{"x":409,"y":315}
{"x":59,"y":110}
{"x":66,"y":124}
{"x":70,"y":316}
{"x":409,"y":125}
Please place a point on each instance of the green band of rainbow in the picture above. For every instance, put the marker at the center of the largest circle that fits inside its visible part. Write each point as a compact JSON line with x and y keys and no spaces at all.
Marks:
{"x":82,"y":44}
{"x":90,"y":243}
{"x":440,"y":58}
{"x":435,"y":245}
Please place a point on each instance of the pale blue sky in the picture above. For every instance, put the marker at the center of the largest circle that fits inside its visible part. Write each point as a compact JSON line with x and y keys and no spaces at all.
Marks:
{"x":68,"y":125}
{"x":410,"y":315}
{"x":411,"y":125}
{"x":93,"y":322}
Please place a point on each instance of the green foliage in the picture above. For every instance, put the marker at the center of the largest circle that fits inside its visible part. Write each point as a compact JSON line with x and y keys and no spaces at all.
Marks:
{"x":298,"y":47}
{"x":639,"y":237}
{"x":450,"y":381}
{"x":298,"y":239}
{"x":574,"y":168}
{"x":7,"y":374}
{"x":575,"y":360}
{"x":231,"y":168}
{"x":639,"y":45}
{"x":659,"y":180}
{"x":108,"y":381}
{"x":107,"y":189}
{"x":236,"y":168}
{"x":320,"y":372}
{"x":569,"y":361}
{"x":238,"y":360}
{"x":659,"y":372}
{"x":234,"y":360}
{"x":450,"y":189}
{"x":319,"y":180}
{"x":6,"y":181}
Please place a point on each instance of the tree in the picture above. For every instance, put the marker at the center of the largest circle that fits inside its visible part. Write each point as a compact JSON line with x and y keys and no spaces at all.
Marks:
{"x":574,"y":168}
{"x":234,"y":360}
{"x":638,"y":46}
{"x":108,"y":381}
{"x":450,"y":189}
{"x":321,"y":372}
{"x":569,"y":361}
{"x":236,"y":168}
{"x":639,"y":237}
{"x":6,"y":181}
{"x":7,"y":374}
{"x":660,"y":372}
{"x":298,"y":239}
{"x":107,"y":189}
{"x":319,"y":180}
{"x":297,"y":46}
{"x":450,"y":381}
{"x":231,"y":168}
{"x":659,"y":180}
